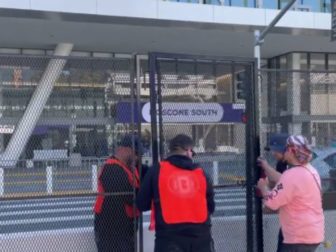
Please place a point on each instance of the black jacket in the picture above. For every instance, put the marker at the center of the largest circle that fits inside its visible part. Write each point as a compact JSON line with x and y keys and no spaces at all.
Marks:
{"x":149,"y":191}
{"x":113,"y":218}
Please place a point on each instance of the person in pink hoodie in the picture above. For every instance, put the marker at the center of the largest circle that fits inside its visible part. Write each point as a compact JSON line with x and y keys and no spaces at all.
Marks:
{"x":297,"y":196}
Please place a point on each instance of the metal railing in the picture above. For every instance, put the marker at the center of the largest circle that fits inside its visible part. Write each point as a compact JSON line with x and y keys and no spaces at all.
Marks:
{"x":56,"y":177}
{"x":52,"y":177}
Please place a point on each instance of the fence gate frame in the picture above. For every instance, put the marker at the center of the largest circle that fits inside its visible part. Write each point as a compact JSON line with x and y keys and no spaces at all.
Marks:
{"x":254,"y":222}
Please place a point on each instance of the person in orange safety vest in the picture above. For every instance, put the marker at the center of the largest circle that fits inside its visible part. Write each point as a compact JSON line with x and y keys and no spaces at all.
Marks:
{"x":114,"y":214}
{"x":181,"y":198}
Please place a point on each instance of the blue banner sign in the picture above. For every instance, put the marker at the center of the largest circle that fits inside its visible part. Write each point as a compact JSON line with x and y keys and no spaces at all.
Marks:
{"x":184,"y":112}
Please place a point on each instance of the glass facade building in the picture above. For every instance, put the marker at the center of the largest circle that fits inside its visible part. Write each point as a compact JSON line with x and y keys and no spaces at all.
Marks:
{"x":301,"y":5}
{"x":314,"y":75}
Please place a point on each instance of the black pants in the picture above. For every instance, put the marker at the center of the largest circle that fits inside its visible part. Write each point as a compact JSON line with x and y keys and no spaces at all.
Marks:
{"x":184,"y":244}
{"x":299,"y":247}
{"x":114,"y":236}
{"x":280,"y":240}
{"x":114,"y":243}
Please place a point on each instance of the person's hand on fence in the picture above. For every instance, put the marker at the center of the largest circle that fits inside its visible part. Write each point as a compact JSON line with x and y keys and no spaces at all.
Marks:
{"x":262,"y":163}
{"x":262,"y":186}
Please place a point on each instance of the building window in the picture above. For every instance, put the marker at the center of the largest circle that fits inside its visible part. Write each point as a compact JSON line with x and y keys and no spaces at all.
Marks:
{"x":324,"y":133}
{"x":332,"y":62}
{"x":272,"y":63}
{"x":283,"y":62}
{"x":281,"y":92}
{"x":298,"y":61}
{"x":325,"y":6}
{"x":270,"y":5}
{"x":240,"y":3}
{"x":317,"y":61}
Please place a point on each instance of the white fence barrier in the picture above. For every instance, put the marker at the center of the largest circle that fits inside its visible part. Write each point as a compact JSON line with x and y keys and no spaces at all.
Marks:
{"x":49,"y":180}
{"x":94,"y":178}
{"x":2,"y":182}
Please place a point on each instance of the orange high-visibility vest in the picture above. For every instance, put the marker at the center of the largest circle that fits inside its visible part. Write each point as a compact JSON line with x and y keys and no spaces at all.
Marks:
{"x":133,"y":179}
{"x":182,"y":194}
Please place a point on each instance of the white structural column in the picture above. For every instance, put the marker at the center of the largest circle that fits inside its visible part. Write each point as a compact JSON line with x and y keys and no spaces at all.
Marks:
{"x":49,"y":178}
{"x":2,"y":182}
{"x":35,"y":107}
{"x":215,"y":174}
{"x":294,"y":94}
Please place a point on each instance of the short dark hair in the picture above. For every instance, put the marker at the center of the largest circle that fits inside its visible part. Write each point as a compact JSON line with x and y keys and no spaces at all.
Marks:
{"x":180,"y":141}
{"x":127,"y":141}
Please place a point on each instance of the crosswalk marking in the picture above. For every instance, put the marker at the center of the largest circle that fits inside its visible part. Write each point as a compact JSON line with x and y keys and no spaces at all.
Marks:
{"x":43,"y":211}
{"x":42,"y":220}
{"x":38,"y":204}
{"x":51,"y":199}
{"x":68,"y":213}
{"x":229,"y":200}
{"x":221,"y":208}
{"x":48,"y":232}
{"x":231,"y":194}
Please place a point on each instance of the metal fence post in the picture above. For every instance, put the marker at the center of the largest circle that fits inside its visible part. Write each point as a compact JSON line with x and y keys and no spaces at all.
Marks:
{"x":49,"y":180}
{"x":94,"y":178}
{"x":171,"y":66}
{"x":2,"y":182}
{"x":215,"y":172}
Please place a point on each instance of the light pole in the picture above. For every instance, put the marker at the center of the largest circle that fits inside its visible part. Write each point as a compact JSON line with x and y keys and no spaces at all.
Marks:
{"x":259,"y":40}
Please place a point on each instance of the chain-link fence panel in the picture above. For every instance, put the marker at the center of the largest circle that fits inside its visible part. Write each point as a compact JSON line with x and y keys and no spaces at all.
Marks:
{"x":204,"y":99}
{"x":198,"y":99}
{"x":61,"y":118}
{"x":303,"y":102}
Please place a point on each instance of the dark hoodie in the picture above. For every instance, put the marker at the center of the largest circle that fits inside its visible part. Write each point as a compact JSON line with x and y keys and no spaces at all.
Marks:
{"x":149,"y":191}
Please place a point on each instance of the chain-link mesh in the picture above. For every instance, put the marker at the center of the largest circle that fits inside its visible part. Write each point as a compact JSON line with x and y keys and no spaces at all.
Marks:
{"x":91,"y":107}
{"x":303,"y":102}
{"x":73,"y":113}
{"x":199,"y":98}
